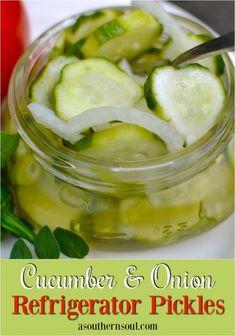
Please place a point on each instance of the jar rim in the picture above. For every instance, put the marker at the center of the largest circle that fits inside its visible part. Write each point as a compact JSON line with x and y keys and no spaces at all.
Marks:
{"x":207,"y":147}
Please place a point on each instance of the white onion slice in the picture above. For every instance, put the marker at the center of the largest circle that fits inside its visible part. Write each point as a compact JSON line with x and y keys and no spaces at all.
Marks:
{"x":46,"y":117}
{"x":71,"y":130}
{"x":102,"y":127}
{"x":178,"y":35}
{"x":130,"y":115}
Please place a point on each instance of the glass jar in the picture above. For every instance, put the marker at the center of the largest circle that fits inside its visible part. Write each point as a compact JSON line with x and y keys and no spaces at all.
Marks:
{"x":156,"y":201}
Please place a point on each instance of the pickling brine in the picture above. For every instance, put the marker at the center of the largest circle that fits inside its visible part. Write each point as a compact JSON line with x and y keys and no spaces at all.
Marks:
{"x":153,"y":217}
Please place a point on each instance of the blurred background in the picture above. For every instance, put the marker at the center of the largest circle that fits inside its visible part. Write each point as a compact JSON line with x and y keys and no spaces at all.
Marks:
{"x":218,"y":14}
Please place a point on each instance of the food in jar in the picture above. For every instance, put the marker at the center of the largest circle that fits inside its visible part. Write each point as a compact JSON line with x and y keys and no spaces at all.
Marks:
{"x":109,"y":93}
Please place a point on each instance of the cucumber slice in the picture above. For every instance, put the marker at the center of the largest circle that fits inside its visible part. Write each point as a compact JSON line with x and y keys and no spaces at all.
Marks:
{"x":59,"y":46}
{"x":94,"y":83}
{"x":82,"y":143}
{"x":75,"y":197}
{"x":171,"y":26}
{"x":75,"y":49}
{"x":169,"y":52}
{"x":125,"y":143}
{"x":99,"y":225}
{"x":148,"y":60}
{"x":190,"y":98}
{"x":41,"y":203}
{"x":215,"y":64}
{"x":150,"y":224}
{"x":101,"y":221}
{"x":26,"y":170}
{"x":87,"y":24}
{"x":41,"y":89}
{"x":124,"y":37}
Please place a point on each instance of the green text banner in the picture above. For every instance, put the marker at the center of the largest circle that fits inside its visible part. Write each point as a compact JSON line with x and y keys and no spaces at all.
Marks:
{"x":117,"y":297}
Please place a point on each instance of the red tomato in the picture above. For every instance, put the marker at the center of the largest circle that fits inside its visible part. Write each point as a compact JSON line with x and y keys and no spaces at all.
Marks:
{"x":14,"y":37}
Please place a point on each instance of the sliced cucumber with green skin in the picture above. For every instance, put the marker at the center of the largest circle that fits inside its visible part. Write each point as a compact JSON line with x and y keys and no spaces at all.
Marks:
{"x":101,"y":219}
{"x":75,"y":49}
{"x":148,"y":60}
{"x":83,"y":143}
{"x":169,"y":52}
{"x":25,"y":171}
{"x":59,"y":46}
{"x":87,"y":24}
{"x":70,"y":41}
{"x":124,"y":37}
{"x":93,"y":83}
{"x":125,"y":143}
{"x":41,"y":89}
{"x":215,"y":64}
{"x":149,"y":224}
{"x":190,"y":98}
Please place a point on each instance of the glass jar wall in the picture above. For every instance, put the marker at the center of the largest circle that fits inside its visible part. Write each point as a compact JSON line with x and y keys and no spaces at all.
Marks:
{"x":153,"y":202}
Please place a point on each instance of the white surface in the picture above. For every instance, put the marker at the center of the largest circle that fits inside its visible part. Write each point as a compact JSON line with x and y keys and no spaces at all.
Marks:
{"x":216,"y":243}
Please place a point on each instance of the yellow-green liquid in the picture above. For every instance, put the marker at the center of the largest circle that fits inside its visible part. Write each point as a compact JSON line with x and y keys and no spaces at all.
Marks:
{"x":157,"y":218}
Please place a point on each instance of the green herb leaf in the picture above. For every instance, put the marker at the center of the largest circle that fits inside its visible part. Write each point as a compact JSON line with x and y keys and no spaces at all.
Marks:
{"x":20,"y":251}
{"x":8,"y":219}
{"x":45,"y":244}
{"x":9,"y":143}
{"x":71,"y":244}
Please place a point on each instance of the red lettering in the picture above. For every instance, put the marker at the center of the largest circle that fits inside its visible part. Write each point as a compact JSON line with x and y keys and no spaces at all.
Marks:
{"x":155,"y":303}
{"x":52,"y":306}
{"x":34,"y":304}
{"x":114,"y":305}
{"x":209,"y":304}
{"x":62,"y":305}
{"x":220,"y":305}
{"x":18,"y":304}
{"x":188,"y":309}
{"x":105,"y":309}
{"x":124,"y":307}
{"x":134,"y":306}
{"x":175,"y":307}
{"x":169,"y":305}
{"x":200,"y":305}
{"x":83,"y":304}
{"x":92,"y":306}
{"x":42,"y":300}
{"x":72,"y":315}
